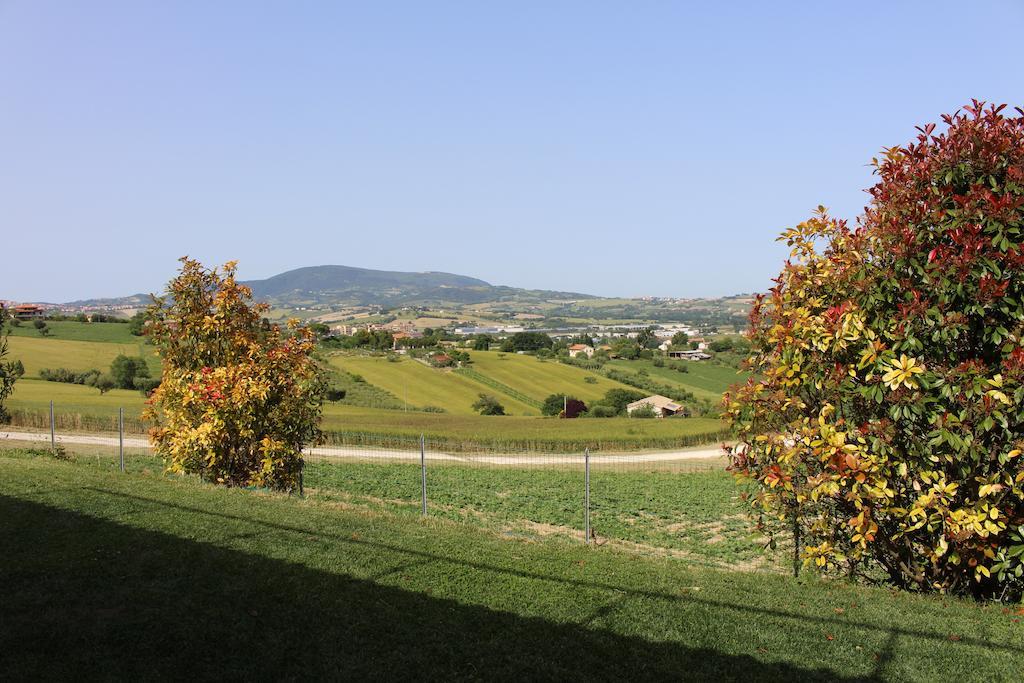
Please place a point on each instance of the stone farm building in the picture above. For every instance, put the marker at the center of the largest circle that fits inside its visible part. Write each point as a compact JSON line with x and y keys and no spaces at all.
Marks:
{"x":662,"y":406}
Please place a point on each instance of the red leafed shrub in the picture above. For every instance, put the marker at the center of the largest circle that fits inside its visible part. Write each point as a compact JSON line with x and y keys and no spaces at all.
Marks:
{"x":887,"y":417}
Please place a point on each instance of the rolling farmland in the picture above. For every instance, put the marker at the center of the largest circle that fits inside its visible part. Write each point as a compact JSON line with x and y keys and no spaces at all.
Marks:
{"x":538,"y":379}
{"x":420,"y":386}
{"x":38,"y":353}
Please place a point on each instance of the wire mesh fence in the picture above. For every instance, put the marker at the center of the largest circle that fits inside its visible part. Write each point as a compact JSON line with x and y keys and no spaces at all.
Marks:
{"x":677,"y":502}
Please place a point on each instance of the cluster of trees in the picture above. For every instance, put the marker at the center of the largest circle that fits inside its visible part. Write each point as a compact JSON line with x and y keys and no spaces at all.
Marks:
{"x":884,"y":424}
{"x":612,"y":404}
{"x":526,"y":341}
{"x":125,"y":372}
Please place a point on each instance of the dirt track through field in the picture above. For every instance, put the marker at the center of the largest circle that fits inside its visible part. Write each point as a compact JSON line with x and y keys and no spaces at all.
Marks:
{"x":378,"y":454}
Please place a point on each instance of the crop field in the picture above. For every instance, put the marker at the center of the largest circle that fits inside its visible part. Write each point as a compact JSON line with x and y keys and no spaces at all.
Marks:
{"x":78,"y":331}
{"x":696,"y":513}
{"x":39,"y":352}
{"x":422,"y":386}
{"x":538,"y":379}
{"x":76,"y":404}
{"x":706,"y":380}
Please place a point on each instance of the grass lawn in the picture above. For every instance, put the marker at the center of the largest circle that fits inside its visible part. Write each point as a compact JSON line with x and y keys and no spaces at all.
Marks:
{"x":39,"y":352}
{"x":422,"y":386}
{"x":76,"y":331}
{"x":137,"y":576}
{"x":539,"y":379}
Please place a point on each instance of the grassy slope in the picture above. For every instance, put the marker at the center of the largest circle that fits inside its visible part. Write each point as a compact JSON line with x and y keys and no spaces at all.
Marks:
{"x":705,"y":380}
{"x":422,"y":386}
{"x":130,"y":576}
{"x":38,"y":352}
{"x":538,"y":379}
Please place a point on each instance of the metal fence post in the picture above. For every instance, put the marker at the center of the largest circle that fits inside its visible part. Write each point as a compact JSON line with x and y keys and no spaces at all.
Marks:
{"x":586,"y":495}
{"x":120,"y":436}
{"x":53,"y":435}
{"x":423,"y":474}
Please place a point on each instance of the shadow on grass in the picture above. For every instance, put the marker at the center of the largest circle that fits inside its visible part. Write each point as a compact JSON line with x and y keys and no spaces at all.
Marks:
{"x":416,"y":556}
{"x":88,"y":598}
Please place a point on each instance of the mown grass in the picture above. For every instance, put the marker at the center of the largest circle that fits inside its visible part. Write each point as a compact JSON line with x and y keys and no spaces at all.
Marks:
{"x":420,"y":386}
{"x":38,"y":352}
{"x":539,"y":379}
{"x":131,"y":576}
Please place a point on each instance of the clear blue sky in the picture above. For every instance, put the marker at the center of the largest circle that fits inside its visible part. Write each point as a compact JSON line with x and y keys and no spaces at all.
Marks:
{"x":616,"y":148}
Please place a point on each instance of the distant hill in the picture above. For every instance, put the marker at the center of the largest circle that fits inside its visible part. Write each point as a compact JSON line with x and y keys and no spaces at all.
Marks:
{"x":345,"y":285}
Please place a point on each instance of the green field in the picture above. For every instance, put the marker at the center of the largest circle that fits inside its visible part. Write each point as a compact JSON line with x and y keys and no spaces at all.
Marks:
{"x":704,"y":379}
{"x":421,"y":386}
{"x":39,"y":352}
{"x":351,"y":424}
{"x":130,"y":576}
{"x":538,"y":379}
{"x":77,"y":331}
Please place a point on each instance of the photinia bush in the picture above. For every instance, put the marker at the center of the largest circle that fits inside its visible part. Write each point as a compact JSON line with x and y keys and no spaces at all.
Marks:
{"x":886,"y":415}
{"x":238,"y":398}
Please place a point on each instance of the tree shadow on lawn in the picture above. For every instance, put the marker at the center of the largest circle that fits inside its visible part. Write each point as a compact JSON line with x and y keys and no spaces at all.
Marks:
{"x":83,"y":597}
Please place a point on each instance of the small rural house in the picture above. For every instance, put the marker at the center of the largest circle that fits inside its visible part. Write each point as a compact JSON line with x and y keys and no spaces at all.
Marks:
{"x":577,"y":349}
{"x":28,"y":311}
{"x":662,"y":406}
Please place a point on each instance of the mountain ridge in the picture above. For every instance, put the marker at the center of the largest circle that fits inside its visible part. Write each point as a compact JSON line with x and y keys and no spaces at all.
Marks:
{"x":338,"y":284}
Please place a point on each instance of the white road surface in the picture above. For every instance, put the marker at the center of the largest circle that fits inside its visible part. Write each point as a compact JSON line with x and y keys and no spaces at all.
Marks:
{"x":378,"y":454}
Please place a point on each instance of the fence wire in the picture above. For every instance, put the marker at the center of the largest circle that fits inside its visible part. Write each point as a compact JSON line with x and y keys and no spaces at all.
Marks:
{"x":681,"y":502}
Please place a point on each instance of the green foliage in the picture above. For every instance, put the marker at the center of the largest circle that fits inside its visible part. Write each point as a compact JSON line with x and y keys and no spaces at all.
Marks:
{"x":643,"y":412}
{"x":482,"y":342}
{"x":488,"y":405}
{"x":125,"y":370}
{"x":526,"y":341}
{"x":88,"y":377}
{"x":137,"y":324}
{"x":105,"y":383}
{"x":888,"y":413}
{"x":553,"y":405}
{"x":618,"y":399}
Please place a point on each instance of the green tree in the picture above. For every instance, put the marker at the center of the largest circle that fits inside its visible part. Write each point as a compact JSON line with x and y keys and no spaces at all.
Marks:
{"x":488,"y":405}
{"x":105,"y":383}
{"x":680,"y":339}
{"x":125,"y":370}
{"x":482,"y":342}
{"x":620,"y":398}
{"x":553,"y":405}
